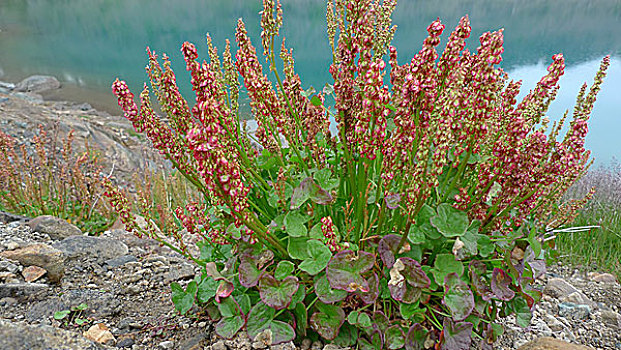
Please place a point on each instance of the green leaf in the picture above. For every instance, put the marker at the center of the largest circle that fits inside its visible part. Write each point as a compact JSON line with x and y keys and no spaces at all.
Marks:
{"x":228,"y":327}
{"x":416,"y":235}
{"x":450,"y":222}
{"x":347,"y":336}
{"x":445,"y":264}
{"x":285,"y":268}
{"x":325,"y":293}
{"x":297,"y":248}
{"x":301,"y":318}
{"x":316,"y":101}
{"x":415,"y":339}
{"x":80,"y":321}
{"x":318,"y":257}
{"x":183,"y":299}
{"x":457,"y":297}
{"x":485,"y":246}
{"x":308,"y":189}
{"x":207,"y":289}
{"x":81,"y":307}
{"x":327,"y":321}
{"x":261,"y":321}
{"x":409,"y":310}
{"x":59,"y":315}
{"x":244,"y":303}
{"x":325,"y":180}
{"x":294,"y":224}
{"x":395,"y":338}
{"x":299,"y":295}
{"x":423,"y":221}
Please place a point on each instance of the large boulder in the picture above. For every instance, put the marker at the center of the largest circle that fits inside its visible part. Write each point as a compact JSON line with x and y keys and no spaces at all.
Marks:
{"x":56,"y":228}
{"x":101,"y":249}
{"x":39,"y":337}
{"x":42,"y":255}
{"x":37,"y":83}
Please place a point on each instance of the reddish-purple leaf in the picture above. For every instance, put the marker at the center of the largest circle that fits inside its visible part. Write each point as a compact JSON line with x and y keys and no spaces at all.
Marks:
{"x":308,"y":189}
{"x":345,"y":270}
{"x":373,"y":293}
{"x":476,"y":270}
{"x":501,"y":285}
{"x":249,"y":273}
{"x":456,"y":336}
{"x":457,"y":297}
{"x":415,"y":339}
{"x":386,"y":249}
{"x":275,"y":293}
{"x":224,"y":290}
{"x":392,"y":200}
{"x":407,"y":279}
{"x":261,"y":326}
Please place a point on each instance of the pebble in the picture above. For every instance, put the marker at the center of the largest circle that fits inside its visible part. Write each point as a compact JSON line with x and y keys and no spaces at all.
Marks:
{"x":166,"y":344}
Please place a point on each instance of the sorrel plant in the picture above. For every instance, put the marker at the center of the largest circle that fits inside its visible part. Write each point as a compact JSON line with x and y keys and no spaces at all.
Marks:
{"x":53,"y":178}
{"x":418,"y":221}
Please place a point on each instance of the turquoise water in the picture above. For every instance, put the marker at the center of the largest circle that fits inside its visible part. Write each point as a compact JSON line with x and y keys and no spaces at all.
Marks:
{"x":87,"y":44}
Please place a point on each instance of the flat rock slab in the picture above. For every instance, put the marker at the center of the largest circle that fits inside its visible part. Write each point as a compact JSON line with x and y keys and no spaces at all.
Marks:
{"x":548,"y":343}
{"x":99,"y":248}
{"x":19,"y":336}
{"x":42,"y":255}
{"x":19,"y":290}
{"x":37,"y":83}
{"x":56,"y":228}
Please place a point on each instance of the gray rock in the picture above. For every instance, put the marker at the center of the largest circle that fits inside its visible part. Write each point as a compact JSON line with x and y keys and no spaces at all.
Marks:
{"x":119,"y":261}
{"x":553,"y":323}
{"x":558,"y":288}
{"x":42,"y":255}
{"x":19,"y":290}
{"x":18,"y":336}
{"x":612,"y":319}
{"x":125,"y":343}
{"x":101,"y":249}
{"x":602,"y":277}
{"x":29,"y":96}
{"x":547,"y":343}
{"x":100,"y":304}
{"x":37,"y":83}
{"x":219,"y":345}
{"x":7,"y":86}
{"x":6,"y":218}
{"x":56,"y":228}
{"x":580,"y":299}
{"x":574,"y":311}
{"x":284,"y":346}
{"x":166,"y":344}
{"x":179,"y":272}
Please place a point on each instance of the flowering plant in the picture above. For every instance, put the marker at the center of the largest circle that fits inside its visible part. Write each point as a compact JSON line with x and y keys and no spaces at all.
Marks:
{"x":420,"y":221}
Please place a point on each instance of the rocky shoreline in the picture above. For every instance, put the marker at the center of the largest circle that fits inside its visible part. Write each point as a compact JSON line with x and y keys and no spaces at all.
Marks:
{"x":49,"y":266}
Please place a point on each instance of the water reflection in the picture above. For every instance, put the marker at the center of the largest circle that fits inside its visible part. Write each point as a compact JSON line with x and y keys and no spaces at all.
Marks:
{"x":89,"y":43}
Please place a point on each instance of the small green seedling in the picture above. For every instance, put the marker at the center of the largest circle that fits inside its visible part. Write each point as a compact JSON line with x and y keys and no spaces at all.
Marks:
{"x":72,"y":316}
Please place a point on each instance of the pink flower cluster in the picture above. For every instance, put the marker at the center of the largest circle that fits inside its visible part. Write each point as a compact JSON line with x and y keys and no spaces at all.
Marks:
{"x":327,"y":228}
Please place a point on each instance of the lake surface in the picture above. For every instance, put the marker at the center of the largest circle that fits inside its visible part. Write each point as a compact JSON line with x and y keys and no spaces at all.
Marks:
{"x":87,"y":44}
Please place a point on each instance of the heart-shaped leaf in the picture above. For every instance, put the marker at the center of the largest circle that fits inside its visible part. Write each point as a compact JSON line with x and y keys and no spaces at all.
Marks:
{"x":347,"y":336}
{"x":327,"y":320}
{"x":183,"y":299}
{"x":285,"y":268}
{"x":297,"y":248}
{"x":450,"y":222}
{"x":500,"y":285}
{"x":318,"y":257}
{"x":373,"y":293}
{"x":415,"y":339}
{"x":445,"y":264}
{"x":456,"y":336}
{"x":207,"y":289}
{"x":277,"y":294}
{"x":232,"y":319}
{"x":325,"y":180}
{"x":392,"y":200}
{"x":249,"y":272}
{"x":294,"y":224}
{"x":325,"y":293}
{"x":308,"y":189}
{"x":261,"y":321}
{"x":407,"y":279}
{"x":386,"y":248}
{"x":457,"y":297}
{"x":395,"y":339}
{"x":345,"y":270}
{"x":522,"y":312}
{"x":423,"y":221}
{"x":477,"y":270}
